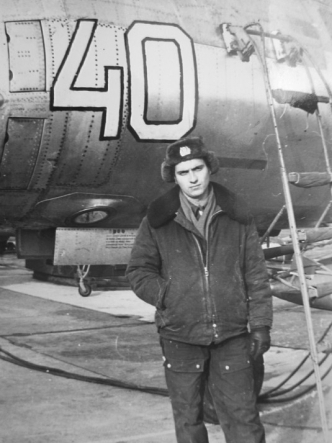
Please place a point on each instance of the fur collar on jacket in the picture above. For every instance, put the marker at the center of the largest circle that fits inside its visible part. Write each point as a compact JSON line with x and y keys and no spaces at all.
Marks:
{"x":164,"y":208}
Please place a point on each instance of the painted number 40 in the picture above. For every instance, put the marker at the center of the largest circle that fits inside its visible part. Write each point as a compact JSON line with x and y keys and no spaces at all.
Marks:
{"x":109,"y":99}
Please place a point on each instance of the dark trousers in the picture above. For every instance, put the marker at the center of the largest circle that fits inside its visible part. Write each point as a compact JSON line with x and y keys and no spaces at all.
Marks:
{"x":226,"y":371}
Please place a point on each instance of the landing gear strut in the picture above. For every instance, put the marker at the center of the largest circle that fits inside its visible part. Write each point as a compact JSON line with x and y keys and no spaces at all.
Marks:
{"x":84,"y":288}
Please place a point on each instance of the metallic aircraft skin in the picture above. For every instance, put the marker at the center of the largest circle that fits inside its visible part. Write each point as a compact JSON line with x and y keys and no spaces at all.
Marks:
{"x":92,"y":91}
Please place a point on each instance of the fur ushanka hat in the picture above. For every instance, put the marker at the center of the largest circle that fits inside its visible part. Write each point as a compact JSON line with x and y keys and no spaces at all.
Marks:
{"x":183,"y":150}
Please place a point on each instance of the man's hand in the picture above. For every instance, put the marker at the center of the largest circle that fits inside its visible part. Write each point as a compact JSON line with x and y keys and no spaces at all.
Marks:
{"x":259,"y":341}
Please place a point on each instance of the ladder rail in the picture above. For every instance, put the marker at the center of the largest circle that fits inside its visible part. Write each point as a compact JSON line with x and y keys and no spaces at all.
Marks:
{"x":290,"y":39}
{"x":294,"y":235}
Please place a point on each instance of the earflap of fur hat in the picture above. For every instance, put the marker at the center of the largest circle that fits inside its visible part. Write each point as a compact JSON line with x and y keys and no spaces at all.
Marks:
{"x":167,"y":172}
{"x":212,"y":162}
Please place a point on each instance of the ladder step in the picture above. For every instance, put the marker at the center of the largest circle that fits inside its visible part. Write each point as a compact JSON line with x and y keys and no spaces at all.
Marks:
{"x":309,"y":179}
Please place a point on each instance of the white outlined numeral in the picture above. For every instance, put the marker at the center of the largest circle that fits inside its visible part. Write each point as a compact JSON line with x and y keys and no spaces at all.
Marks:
{"x":162,"y":91}
{"x":109,"y":99}
{"x":136,"y":37}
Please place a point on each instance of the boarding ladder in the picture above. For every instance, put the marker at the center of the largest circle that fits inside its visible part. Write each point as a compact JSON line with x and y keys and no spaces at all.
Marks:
{"x":307,"y":180}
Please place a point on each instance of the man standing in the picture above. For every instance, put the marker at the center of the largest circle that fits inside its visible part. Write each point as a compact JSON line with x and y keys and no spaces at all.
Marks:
{"x":198,"y":260}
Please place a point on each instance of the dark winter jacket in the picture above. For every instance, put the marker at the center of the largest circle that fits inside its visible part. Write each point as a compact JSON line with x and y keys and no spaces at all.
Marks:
{"x":204,"y":291}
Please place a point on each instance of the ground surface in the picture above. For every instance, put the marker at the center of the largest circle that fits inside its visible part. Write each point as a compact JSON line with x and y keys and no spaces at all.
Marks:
{"x":111,"y":335}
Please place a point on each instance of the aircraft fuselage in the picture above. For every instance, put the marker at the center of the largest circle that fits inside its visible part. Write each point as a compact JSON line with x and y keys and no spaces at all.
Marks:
{"x":91,"y":93}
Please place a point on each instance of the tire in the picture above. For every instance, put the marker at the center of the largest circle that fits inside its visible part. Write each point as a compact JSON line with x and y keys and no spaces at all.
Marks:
{"x":86,"y":291}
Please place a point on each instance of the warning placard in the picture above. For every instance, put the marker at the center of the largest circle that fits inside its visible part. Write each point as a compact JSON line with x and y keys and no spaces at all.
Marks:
{"x":93,"y":246}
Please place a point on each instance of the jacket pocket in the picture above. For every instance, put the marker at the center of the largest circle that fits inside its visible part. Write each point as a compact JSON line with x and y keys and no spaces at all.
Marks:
{"x":162,"y":295}
{"x":193,"y":365}
{"x":237,"y":378}
{"x":161,"y":319}
{"x":183,"y":357}
{"x":228,"y":367}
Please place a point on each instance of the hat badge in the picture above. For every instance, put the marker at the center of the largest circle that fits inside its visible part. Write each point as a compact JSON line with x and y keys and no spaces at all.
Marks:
{"x":184,"y":150}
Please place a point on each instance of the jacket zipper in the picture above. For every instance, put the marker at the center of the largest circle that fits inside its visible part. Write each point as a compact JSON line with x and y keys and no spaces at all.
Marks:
{"x":205,"y":267}
{"x":206,"y":262}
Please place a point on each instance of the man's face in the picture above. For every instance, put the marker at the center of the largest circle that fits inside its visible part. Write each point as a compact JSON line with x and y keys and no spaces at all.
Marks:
{"x":193,"y":177}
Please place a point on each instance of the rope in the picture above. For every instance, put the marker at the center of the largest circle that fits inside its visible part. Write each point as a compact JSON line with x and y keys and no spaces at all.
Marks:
{"x":296,"y":396}
{"x":263,"y":398}
{"x":131,"y":386}
{"x":61,"y":373}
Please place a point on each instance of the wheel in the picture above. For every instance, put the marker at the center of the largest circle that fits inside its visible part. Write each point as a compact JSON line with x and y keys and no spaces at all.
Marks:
{"x":84,"y":289}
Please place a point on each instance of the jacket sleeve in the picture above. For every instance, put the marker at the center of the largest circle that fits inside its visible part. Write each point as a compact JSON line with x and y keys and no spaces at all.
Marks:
{"x":257,"y":281}
{"x":144,"y":267}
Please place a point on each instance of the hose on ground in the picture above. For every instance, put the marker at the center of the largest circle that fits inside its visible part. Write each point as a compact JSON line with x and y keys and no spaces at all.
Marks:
{"x":11,"y":358}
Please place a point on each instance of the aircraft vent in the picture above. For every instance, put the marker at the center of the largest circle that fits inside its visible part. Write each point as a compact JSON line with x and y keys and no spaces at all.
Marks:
{"x":20,"y":152}
{"x":26,"y":56}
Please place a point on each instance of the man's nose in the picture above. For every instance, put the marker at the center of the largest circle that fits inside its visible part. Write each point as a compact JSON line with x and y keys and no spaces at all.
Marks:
{"x":192,"y":177}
